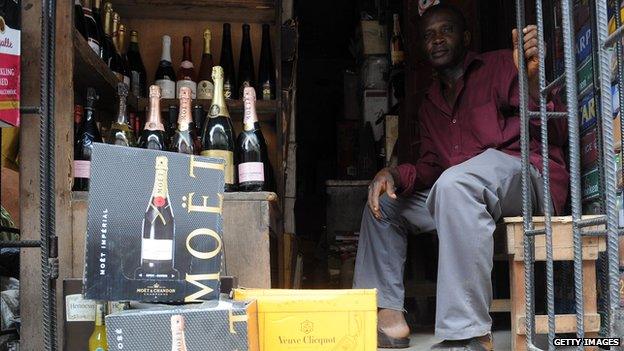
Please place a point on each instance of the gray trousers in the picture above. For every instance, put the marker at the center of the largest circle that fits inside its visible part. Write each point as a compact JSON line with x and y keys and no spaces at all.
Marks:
{"x":463,"y":206}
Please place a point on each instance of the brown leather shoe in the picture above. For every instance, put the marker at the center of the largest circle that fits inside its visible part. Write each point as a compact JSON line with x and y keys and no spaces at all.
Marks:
{"x":481,"y":343}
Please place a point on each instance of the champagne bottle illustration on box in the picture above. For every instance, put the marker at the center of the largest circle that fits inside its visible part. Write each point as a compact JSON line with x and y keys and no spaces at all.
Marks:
{"x":178,"y":341}
{"x":157,"y":245}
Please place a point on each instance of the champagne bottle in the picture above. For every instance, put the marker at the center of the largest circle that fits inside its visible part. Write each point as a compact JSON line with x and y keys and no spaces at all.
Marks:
{"x":108,"y":49}
{"x":97,"y":16}
{"x":251,"y":147}
{"x":182,"y":139}
{"x":79,"y":19}
{"x":121,"y":131}
{"x":116,"y":62}
{"x":205,"y":86}
{"x":199,"y":115}
{"x":227,"y":62}
{"x":91,"y":26}
{"x":266,"y":72}
{"x":178,"y":340}
{"x":78,"y":113}
{"x":246,"y":74}
{"x":153,"y":136}
{"x":97,"y":340}
{"x":88,"y":134}
{"x":157,"y":245}
{"x":165,"y":76}
{"x":172,"y":124}
{"x":138,"y":76}
{"x":122,"y":52}
{"x":186,"y":72}
{"x":397,"y":53}
{"x":218,"y":132}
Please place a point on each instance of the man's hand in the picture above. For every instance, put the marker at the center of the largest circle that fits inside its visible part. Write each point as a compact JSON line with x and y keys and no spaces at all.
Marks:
{"x":531,"y":55}
{"x":384,"y":182}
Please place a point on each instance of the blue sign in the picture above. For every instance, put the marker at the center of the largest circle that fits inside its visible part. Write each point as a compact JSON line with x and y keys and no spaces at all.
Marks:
{"x":583,"y":43}
{"x":587,"y":109}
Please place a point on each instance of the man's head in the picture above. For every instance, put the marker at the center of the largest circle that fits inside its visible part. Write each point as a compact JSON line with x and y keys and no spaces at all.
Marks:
{"x":445,"y":36}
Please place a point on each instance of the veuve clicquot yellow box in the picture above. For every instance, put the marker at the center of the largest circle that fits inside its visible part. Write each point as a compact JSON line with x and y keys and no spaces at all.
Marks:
{"x":315,"y":320}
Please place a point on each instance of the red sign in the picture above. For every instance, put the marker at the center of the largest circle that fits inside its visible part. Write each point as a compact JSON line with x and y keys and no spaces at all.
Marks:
{"x":9,"y":73}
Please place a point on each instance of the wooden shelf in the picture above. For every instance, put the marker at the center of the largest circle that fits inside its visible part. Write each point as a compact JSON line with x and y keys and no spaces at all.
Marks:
{"x":83,"y":196}
{"x":266,"y":109}
{"x":251,"y":11}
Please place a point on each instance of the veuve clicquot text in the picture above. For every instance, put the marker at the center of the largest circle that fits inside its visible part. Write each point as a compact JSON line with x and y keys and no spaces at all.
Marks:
{"x":227,"y":62}
{"x":88,"y":133}
{"x":205,"y":86}
{"x":186,"y":72}
{"x":178,"y":340}
{"x":246,"y":72}
{"x":165,"y":75}
{"x":157,"y":244}
{"x":251,"y":147}
{"x":266,"y":72}
{"x":121,"y":130}
{"x":218,"y":132}
{"x":182,"y":139}
{"x":153,"y":136}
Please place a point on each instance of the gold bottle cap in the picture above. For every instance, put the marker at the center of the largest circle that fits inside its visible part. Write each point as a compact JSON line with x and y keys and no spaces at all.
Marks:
{"x":134,"y":36}
{"x":217,"y":72}
{"x":207,"y":34}
{"x":162,"y":162}
{"x":154,"y":91}
{"x":108,"y":6}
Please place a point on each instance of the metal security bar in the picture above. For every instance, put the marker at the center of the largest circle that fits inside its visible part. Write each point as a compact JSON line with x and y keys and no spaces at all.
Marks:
{"x":610,"y":220}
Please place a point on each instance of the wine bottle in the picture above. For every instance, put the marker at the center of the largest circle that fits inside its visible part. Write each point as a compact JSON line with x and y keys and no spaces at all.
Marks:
{"x":153,"y":136}
{"x":157,"y":243}
{"x":79,"y":19}
{"x":138,"y":76}
{"x":78,"y":113}
{"x":397,"y":51}
{"x":186,"y":72}
{"x":88,"y":133}
{"x":182,"y":139}
{"x":227,"y":62}
{"x":97,"y":16}
{"x":199,"y":115}
{"x":246,"y":74}
{"x":92,"y":32}
{"x":108,"y":49}
{"x":165,"y":76}
{"x":218,"y":132}
{"x":172,"y":124}
{"x":122,"y":52}
{"x":251,"y":147}
{"x":266,"y":72}
{"x":121,"y":131}
{"x":116,"y":62}
{"x":97,"y":340}
{"x":178,"y":340}
{"x":205,"y":86}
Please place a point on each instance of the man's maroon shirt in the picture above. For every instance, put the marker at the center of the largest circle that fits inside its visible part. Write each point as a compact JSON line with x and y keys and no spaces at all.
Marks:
{"x":485,"y":116}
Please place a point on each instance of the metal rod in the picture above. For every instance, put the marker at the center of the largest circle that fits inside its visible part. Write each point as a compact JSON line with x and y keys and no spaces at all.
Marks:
{"x":608,"y":155}
{"x":21,"y":243}
{"x":591,"y":222}
{"x":30,"y":110}
{"x":614,"y":37}
{"x":9,"y":230}
{"x":534,"y":232}
{"x":551,"y":115}
{"x":555,"y":83}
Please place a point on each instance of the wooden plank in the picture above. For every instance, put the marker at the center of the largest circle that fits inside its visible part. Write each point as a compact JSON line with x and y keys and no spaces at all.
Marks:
{"x":266,"y":109}
{"x":554,"y":219}
{"x":30,"y":265}
{"x":80,"y":207}
{"x":221,"y":10}
{"x":564,"y":323}
{"x":516,"y":279}
{"x":500,"y":305}
{"x":590,"y":300}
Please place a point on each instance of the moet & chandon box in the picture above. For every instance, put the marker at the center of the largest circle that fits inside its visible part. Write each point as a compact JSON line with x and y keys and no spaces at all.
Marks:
{"x":154,"y":230}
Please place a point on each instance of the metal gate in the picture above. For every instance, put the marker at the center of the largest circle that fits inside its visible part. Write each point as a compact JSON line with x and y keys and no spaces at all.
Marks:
{"x":604,"y":52}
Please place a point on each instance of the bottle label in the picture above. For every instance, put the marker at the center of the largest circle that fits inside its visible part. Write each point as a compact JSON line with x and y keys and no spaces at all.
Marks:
{"x":227,"y":90}
{"x":82,"y":169}
{"x":167,"y":88}
{"x":251,"y":172}
{"x":79,"y":309}
{"x":157,"y":249}
{"x":266,"y":90}
{"x":135,"y":85}
{"x":204,"y":90}
{"x":186,"y":64}
{"x":228,"y":156}
{"x":95,"y":45}
{"x":187,"y":83}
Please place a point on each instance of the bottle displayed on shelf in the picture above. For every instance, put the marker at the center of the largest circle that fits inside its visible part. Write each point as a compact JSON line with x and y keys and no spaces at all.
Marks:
{"x":138,"y":76}
{"x":91,"y":27}
{"x":108,"y":50}
{"x":205,"y":85}
{"x":79,"y":19}
{"x":397,"y":49}
{"x":97,"y":340}
{"x":97,"y":16}
{"x":157,"y":243}
{"x":199,"y":115}
{"x":78,"y":113}
{"x":122,"y":53}
{"x":178,"y":340}
{"x":88,"y":133}
{"x":251,"y":147}
{"x":218,"y":132}
{"x":121,"y":131}
{"x":165,"y":75}
{"x":153,"y":136}
{"x":116,"y":62}
{"x":182,"y":141}
{"x":246,"y":72}
{"x":266,"y":71}
{"x":227,"y":62}
{"x":171,"y":124}
{"x":186,"y":72}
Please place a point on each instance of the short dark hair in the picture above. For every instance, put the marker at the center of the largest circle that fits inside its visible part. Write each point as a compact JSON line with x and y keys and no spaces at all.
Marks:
{"x":453,"y":10}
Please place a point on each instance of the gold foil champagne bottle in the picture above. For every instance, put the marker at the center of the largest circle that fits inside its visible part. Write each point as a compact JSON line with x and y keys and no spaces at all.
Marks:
{"x":182,"y":139}
{"x":153,"y":136}
{"x":205,"y":87}
{"x":218,"y":132}
{"x":121,"y":132}
{"x":97,"y":340}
